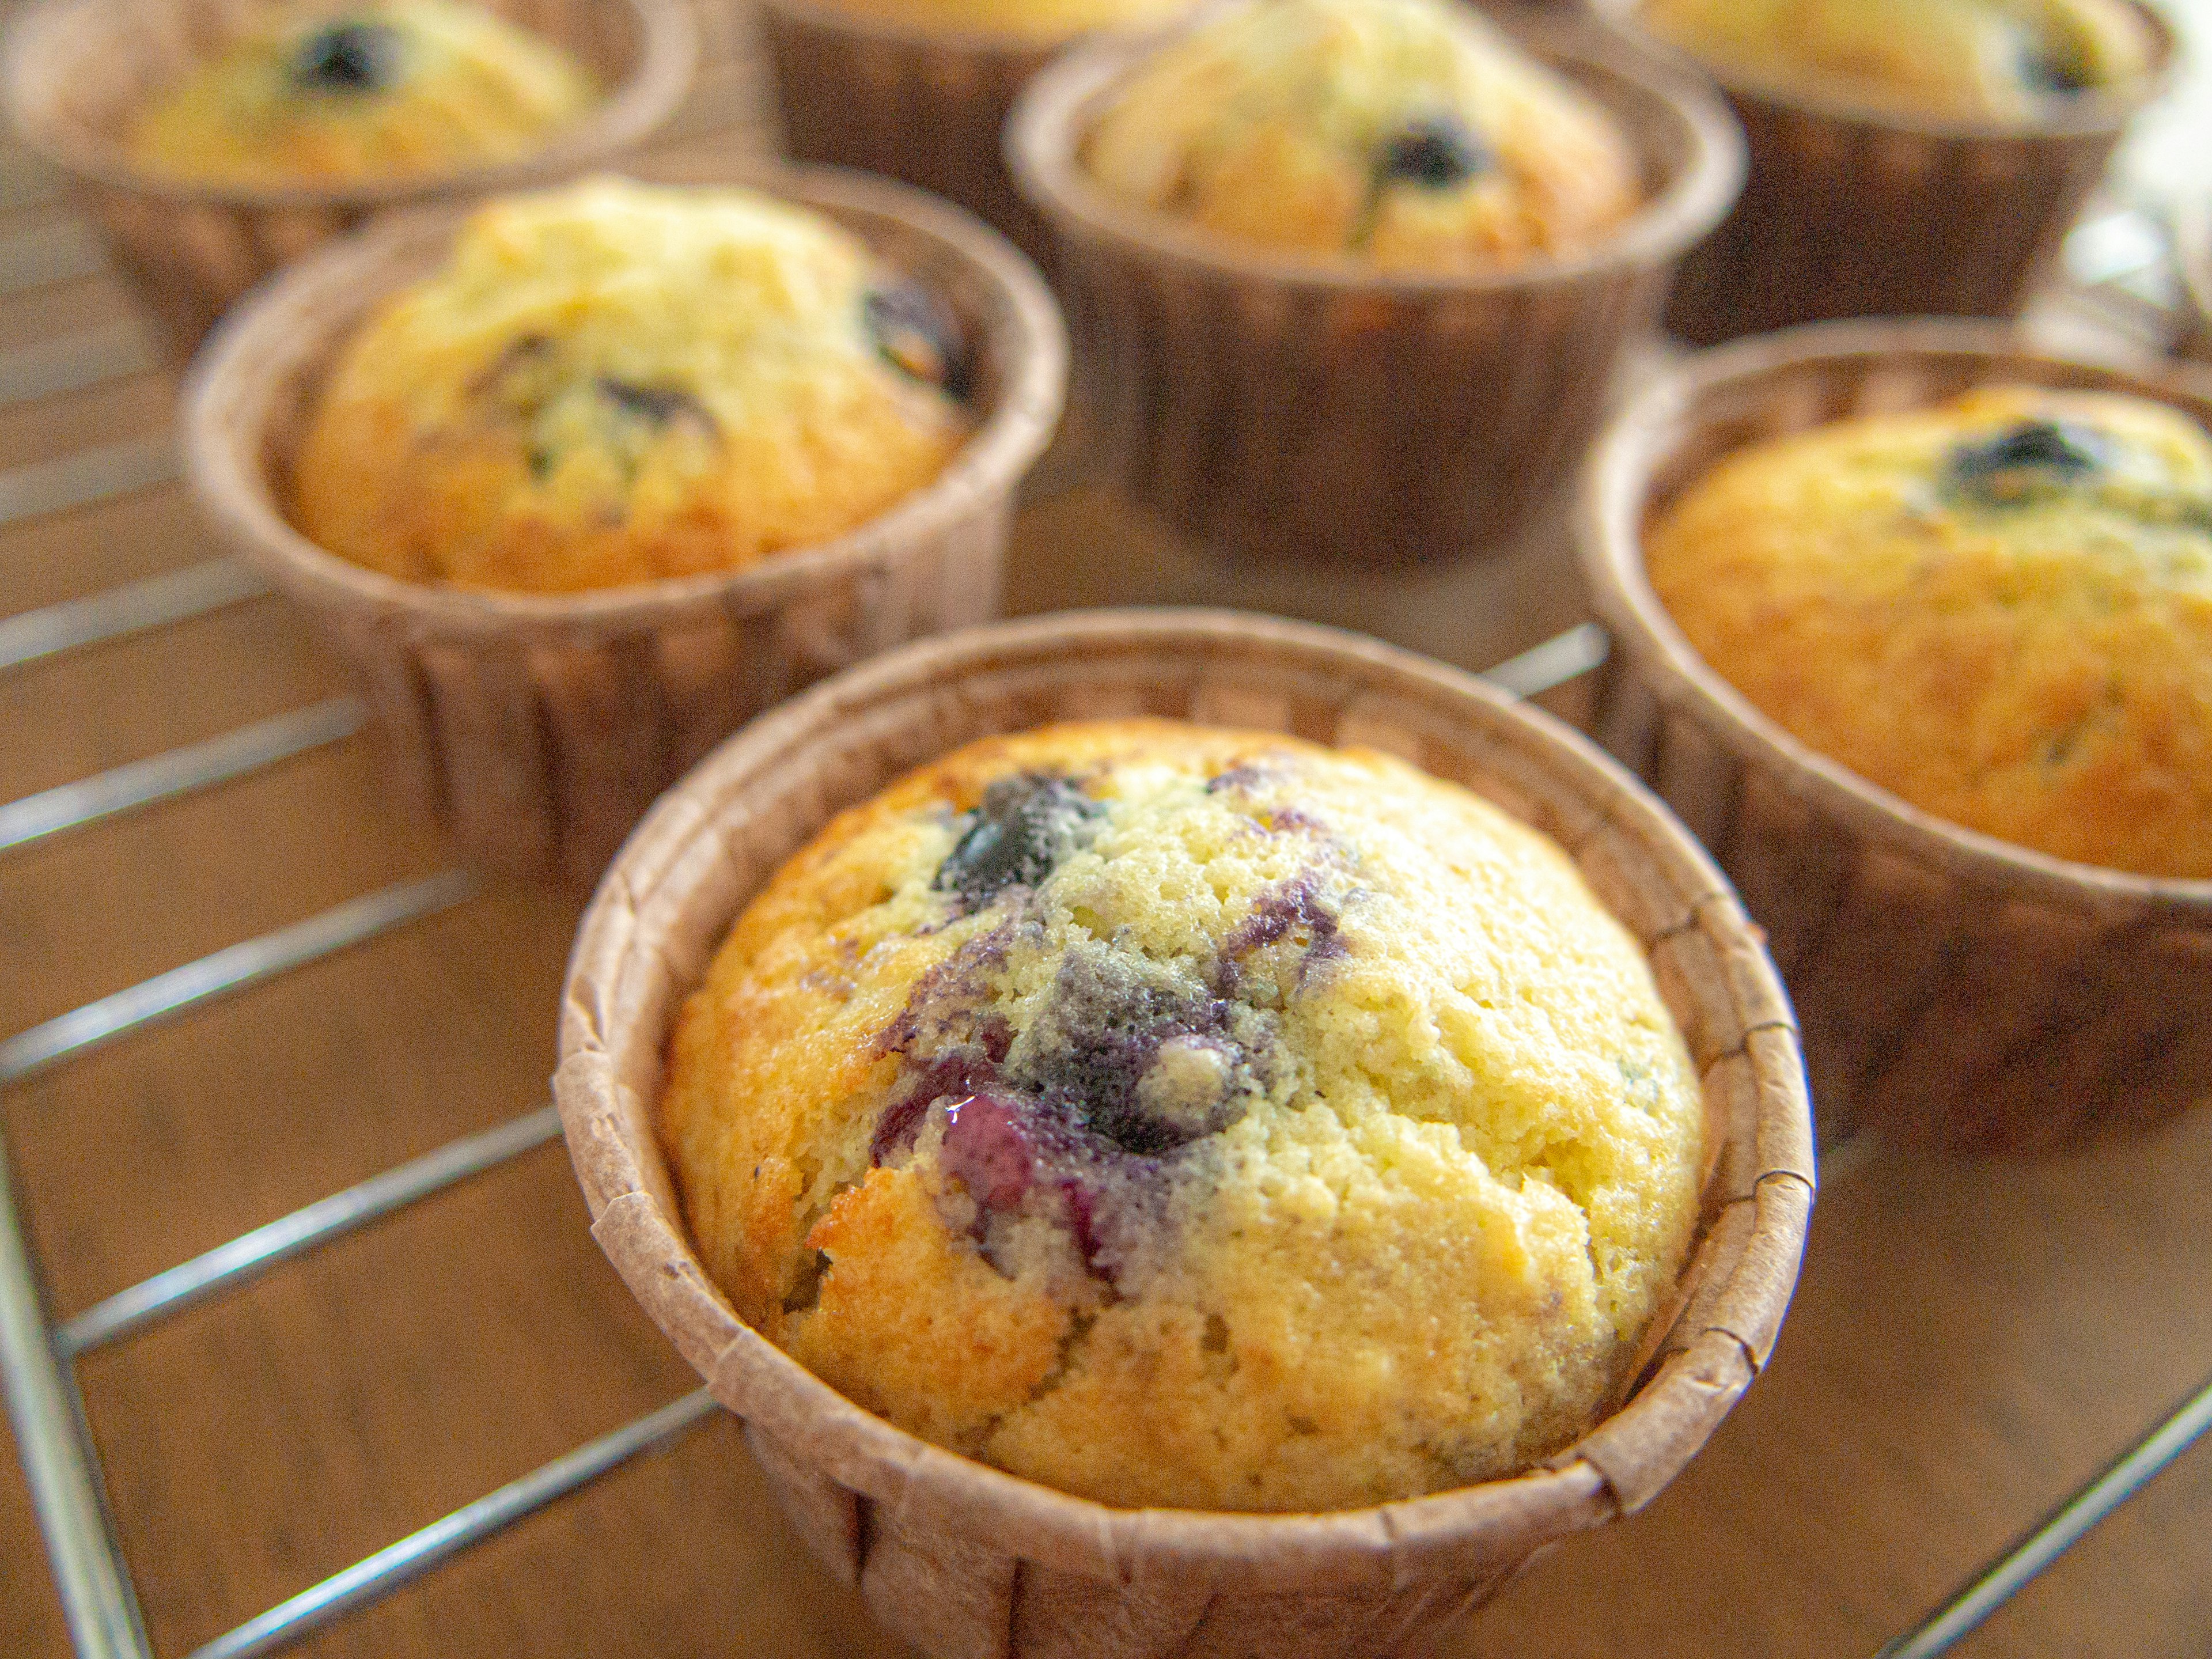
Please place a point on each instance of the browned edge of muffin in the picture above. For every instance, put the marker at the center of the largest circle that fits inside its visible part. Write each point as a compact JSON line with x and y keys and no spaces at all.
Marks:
{"x":958,"y":1556}
{"x":1953,"y":989}
{"x":538,"y":726}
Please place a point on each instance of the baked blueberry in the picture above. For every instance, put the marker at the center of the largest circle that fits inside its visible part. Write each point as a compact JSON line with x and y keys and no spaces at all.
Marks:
{"x":1024,"y":828}
{"x":350,"y":56}
{"x":2029,"y":458}
{"x":1436,"y":152}
{"x":917,"y":334}
{"x":656,"y":406}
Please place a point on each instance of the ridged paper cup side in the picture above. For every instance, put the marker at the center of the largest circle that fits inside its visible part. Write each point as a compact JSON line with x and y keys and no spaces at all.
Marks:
{"x":924,"y":105}
{"x":2192,"y":254}
{"x":1851,"y":211}
{"x":537,"y":729}
{"x":77,"y":72}
{"x":1954,"y":989}
{"x":1311,"y":409}
{"x":959,"y":1559}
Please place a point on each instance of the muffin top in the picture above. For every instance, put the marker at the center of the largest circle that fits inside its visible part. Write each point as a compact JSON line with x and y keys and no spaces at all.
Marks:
{"x":2001,"y":59}
{"x":372,"y":92}
{"x":1191,"y":1117}
{"x":1999,"y":610}
{"x":1408,"y":134}
{"x":1024,"y":19}
{"x":616,"y":383}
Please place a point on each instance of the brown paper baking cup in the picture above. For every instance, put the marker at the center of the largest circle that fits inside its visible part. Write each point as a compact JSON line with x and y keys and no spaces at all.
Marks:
{"x":1854,"y":211}
{"x":961,"y":1559}
{"x":1954,"y":989}
{"x":2192,"y":257}
{"x":913,"y":103}
{"x":76,"y":72}
{"x":538,"y":728}
{"x":1295,"y":408}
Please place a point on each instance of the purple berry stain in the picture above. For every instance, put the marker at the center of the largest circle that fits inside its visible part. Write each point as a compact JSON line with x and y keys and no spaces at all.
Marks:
{"x":989,"y":1150}
{"x":1275,"y":915}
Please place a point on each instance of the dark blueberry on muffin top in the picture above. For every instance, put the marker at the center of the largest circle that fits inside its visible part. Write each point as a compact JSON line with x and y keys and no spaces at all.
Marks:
{"x":918,"y":335}
{"x":2029,"y":458}
{"x":1024,"y":827}
{"x":349,"y":57}
{"x":1436,"y":152}
{"x":656,"y":406}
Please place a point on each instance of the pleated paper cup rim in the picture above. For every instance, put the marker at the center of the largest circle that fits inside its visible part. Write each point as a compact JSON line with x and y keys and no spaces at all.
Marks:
{"x":1058,"y":109}
{"x":293,"y":326}
{"x":668,"y":53}
{"x":2098,"y":111}
{"x":644,"y":941}
{"x":1614,"y":500}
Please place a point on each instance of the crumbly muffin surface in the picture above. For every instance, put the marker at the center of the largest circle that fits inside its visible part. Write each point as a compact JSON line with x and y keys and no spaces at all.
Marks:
{"x":1188,"y":1117}
{"x":1999,"y":610}
{"x":377,"y":91}
{"x":1406,"y":133}
{"x":1028,"y":20}
{"x":616,"y":383}
{"x":2004,"y":58}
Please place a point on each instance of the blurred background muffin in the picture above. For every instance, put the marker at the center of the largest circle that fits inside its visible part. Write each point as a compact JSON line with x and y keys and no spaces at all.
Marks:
{"x":1041,"y":20}
{"x":617,"y":383}
{"x":1194,"y":1118}
{"x":1908,"y":157}
{"x":1408,"y":133}
{"x":410,"y":86}
{"x":1969,"y":57}
{"x":213,"y":145}
{"x":1349,"y":280}
{"x":1999,"y":609}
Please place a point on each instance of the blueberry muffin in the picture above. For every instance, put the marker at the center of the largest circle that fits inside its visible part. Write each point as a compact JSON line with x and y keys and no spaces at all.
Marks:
{"x":381,"y":91}
{"x":616,"y":383}
{"x":1408,"y":134}
{"x":1188,"y":1117}
{"x":1999,"y":610}
{"x":1994,"y":58}
{"x":1027,"y":20}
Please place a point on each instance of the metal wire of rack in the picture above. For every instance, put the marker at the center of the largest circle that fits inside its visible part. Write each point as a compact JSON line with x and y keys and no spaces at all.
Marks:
{"x":38,"y":1356}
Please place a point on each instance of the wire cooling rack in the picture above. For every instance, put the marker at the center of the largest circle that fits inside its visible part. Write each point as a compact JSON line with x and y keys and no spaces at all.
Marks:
{"x":38,"y":1356}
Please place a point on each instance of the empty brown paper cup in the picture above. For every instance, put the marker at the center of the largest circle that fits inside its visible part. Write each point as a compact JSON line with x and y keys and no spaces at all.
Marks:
{"x":77,"y":72}
{"x":1954,"y":989}
{"x":1311,"y":409}
{"x":960,"y":1558}
{"x":536,"y":728}
{"x":1853,"y":210}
